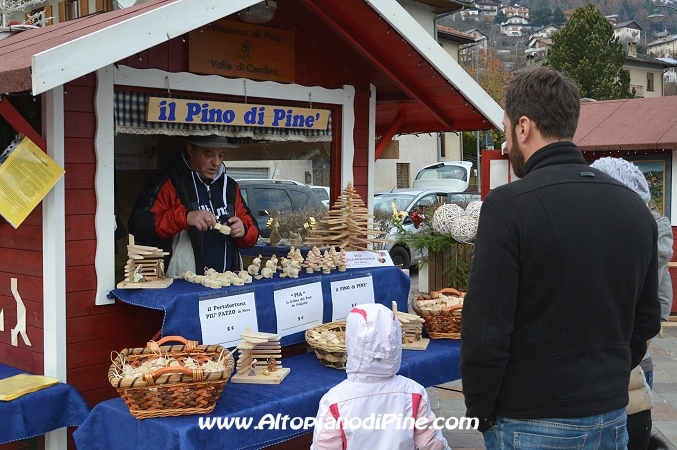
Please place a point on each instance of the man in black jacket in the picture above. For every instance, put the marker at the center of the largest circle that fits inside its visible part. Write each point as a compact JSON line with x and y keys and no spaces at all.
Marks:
{"x":563,"y":287}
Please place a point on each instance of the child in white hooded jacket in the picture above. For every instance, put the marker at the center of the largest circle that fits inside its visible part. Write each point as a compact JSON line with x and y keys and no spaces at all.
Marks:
{"x":384,"y":404}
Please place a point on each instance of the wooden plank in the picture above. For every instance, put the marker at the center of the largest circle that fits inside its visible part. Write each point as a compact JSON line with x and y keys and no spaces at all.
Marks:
{"x":80,"y":202}
{"x":80,"y":227}
{"x":94,"y":397}
{"x":177,"y":60}
{"x":80,"y":278}
{"x":23,"y":262}
{"x":21,"y":358}
{"x":89,"y":378}
{"x":79,"y":150}
{"x":98,"y":351}
{"x":35,"y":335}
{"x":158,"y":56}
{"x":26,"y":237}
{"x":34,"y":312}
{"x":30,"y":287}
{"x":80,"y":253}
{"x":82,"y":329}
{"x":154,"y":284}
{"x":80,"y":176}
{"x":79,"y":98}
{"x":85,"y":80}
{"x":79,"y":124}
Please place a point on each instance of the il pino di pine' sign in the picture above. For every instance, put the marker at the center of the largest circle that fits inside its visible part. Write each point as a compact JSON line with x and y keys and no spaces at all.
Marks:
{"x":174,"y":110}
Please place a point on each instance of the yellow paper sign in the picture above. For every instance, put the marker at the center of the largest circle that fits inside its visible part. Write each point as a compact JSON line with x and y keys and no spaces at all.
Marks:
{"x":22,"y":384}
{"x":206,"y":112}
{"x":25,"y":178}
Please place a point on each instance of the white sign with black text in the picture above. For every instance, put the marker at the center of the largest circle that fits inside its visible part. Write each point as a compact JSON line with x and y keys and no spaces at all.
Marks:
{"x":346,"y":294}
{"x":359,"y":260}
{"x":298,"y":308}
{"x":224,"y":319}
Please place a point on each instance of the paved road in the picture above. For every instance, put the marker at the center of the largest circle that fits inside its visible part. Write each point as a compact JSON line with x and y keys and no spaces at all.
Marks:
{"x":447,"y":399}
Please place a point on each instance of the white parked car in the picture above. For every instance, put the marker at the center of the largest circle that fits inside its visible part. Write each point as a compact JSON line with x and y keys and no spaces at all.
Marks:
{"x":452,"y":176}
{"x":322,"y":194}
{"x":409,"y":200}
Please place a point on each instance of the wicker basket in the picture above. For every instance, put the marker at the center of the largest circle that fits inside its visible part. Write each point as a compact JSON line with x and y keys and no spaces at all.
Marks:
{"x":442,"y":323}
{"x":175,"y":390}
{"x":331,"y":355}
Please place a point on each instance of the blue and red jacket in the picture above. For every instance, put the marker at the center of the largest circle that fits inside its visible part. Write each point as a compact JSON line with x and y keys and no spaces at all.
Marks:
{"x":160,"y":213}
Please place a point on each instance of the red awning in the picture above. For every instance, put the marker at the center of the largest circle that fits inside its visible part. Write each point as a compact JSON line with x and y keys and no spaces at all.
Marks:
{"x":634,"y":124}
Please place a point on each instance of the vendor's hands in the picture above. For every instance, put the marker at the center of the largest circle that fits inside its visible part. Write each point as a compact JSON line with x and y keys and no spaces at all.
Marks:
{"x":201,"y":219}
{"x":237,"y":229}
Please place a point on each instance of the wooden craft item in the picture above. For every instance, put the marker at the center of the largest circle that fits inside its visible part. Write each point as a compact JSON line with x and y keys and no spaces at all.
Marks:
{"x":412,"y":326}
{"x":259,"y":361}
{"x":145,"y":268}
{"x":347,"y":225}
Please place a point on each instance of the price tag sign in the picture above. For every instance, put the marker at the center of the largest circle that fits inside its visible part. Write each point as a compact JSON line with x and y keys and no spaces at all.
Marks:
{"x":346,"y":294}
{"x":223,"y":319}
{"x":298,"y":308}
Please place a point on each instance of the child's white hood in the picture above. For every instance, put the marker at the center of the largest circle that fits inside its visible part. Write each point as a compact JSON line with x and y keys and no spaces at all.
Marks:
{"x":373,"y":342}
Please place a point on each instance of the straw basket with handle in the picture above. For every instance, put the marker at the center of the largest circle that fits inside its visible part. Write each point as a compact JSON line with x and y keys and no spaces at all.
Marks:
{"x":442,"y":313}
{"x":329,"y":342}
{"x":190,"y":384}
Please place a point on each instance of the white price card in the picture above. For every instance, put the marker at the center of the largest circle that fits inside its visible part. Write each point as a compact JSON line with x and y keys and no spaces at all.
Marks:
{"x":298,"y":308}
{"x":224,"y":319}
{"x":358,"y":260}
{"x":346,"y":294}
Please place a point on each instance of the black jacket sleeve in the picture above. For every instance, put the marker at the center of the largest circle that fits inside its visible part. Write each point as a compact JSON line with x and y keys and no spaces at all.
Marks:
{"x":489,"y":310}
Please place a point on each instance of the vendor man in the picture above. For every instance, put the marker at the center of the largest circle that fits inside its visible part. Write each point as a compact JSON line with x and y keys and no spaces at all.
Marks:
{"x":179,"y":206}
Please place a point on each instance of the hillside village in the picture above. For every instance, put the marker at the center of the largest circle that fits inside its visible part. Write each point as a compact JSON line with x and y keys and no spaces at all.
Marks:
{"x":520,"y":36}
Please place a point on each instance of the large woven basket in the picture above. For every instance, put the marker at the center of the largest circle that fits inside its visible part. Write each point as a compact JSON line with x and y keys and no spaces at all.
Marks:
{"x":331,"y":355}
{"x":175,"y":390}
{"x":442,"y":323}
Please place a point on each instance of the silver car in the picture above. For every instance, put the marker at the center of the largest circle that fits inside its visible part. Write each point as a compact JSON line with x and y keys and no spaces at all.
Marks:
{"x":409,"y":200}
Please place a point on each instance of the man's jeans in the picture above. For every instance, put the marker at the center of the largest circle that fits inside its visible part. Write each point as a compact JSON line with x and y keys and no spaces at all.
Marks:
{"x":602,"y":432}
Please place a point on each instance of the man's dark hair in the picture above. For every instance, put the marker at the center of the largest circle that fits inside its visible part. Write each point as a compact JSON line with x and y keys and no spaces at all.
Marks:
{"x":546,"y":97}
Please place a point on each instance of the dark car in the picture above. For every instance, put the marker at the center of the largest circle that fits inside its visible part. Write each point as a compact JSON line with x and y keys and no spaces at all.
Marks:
{"x":264,"y":196}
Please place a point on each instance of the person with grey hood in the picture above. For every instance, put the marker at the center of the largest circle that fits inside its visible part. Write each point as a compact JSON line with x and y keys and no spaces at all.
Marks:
{"x":639,"y":407}
{"x":370,"y":409}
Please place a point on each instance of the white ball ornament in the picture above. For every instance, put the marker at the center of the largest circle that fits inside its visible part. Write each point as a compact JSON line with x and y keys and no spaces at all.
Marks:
{"x":473,"y":209}
{"x":444,"y":216}
{"x":464,"y":229}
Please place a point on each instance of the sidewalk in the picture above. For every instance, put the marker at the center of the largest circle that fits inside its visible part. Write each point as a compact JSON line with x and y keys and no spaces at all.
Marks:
{"x":447,"y":399}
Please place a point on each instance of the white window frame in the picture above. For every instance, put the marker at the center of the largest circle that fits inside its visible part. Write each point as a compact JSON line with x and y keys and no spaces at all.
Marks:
{"x":110,"y":76}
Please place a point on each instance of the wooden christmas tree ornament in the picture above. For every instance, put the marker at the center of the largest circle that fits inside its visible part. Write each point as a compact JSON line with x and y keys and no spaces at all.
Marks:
{"x":412,"y":326}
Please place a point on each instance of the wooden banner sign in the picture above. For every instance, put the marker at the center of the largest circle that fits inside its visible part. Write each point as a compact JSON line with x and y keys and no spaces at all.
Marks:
{"x":236,"y":49}
{"x":174,"y":110}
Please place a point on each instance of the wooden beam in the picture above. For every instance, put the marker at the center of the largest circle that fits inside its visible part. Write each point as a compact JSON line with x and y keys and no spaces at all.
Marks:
{"x":21,"y":125}
{"x":388,"y":135}
{"x":376,"y":58}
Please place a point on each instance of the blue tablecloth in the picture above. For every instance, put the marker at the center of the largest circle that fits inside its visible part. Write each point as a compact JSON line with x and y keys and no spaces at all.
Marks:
{"x":39,"y":412}
{"x":180,"y":301}
{"x":111,"y":426}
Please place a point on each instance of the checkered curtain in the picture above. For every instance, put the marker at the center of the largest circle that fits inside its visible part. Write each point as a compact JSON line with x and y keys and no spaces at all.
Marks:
{"x":130,"y":114}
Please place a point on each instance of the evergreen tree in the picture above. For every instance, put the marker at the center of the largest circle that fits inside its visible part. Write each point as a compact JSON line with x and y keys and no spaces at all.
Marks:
{"x":540,"y":17}
{"x":500,"y":18}
{"x":587,"y":51}
{"x":558,"y":17}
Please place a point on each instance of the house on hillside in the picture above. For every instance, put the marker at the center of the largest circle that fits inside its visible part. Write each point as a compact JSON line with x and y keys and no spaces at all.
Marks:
{"x":487,"y":7}
{"x":568,"y":13}
{"x":646,"y":73}
{"x":545,"y":31}
{"x":628,"y":31}
{"x":670,"y":75}
{"x":515,"y":10}
{"x":665,"y":47}
{"x":481,"y":39}
{"x":515,"y":26}
{"x":538,"y":46}
{"x":613,"y":18}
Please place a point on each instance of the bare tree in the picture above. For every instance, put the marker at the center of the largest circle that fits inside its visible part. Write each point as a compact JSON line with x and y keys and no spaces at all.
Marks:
{"x":9,"y":7}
